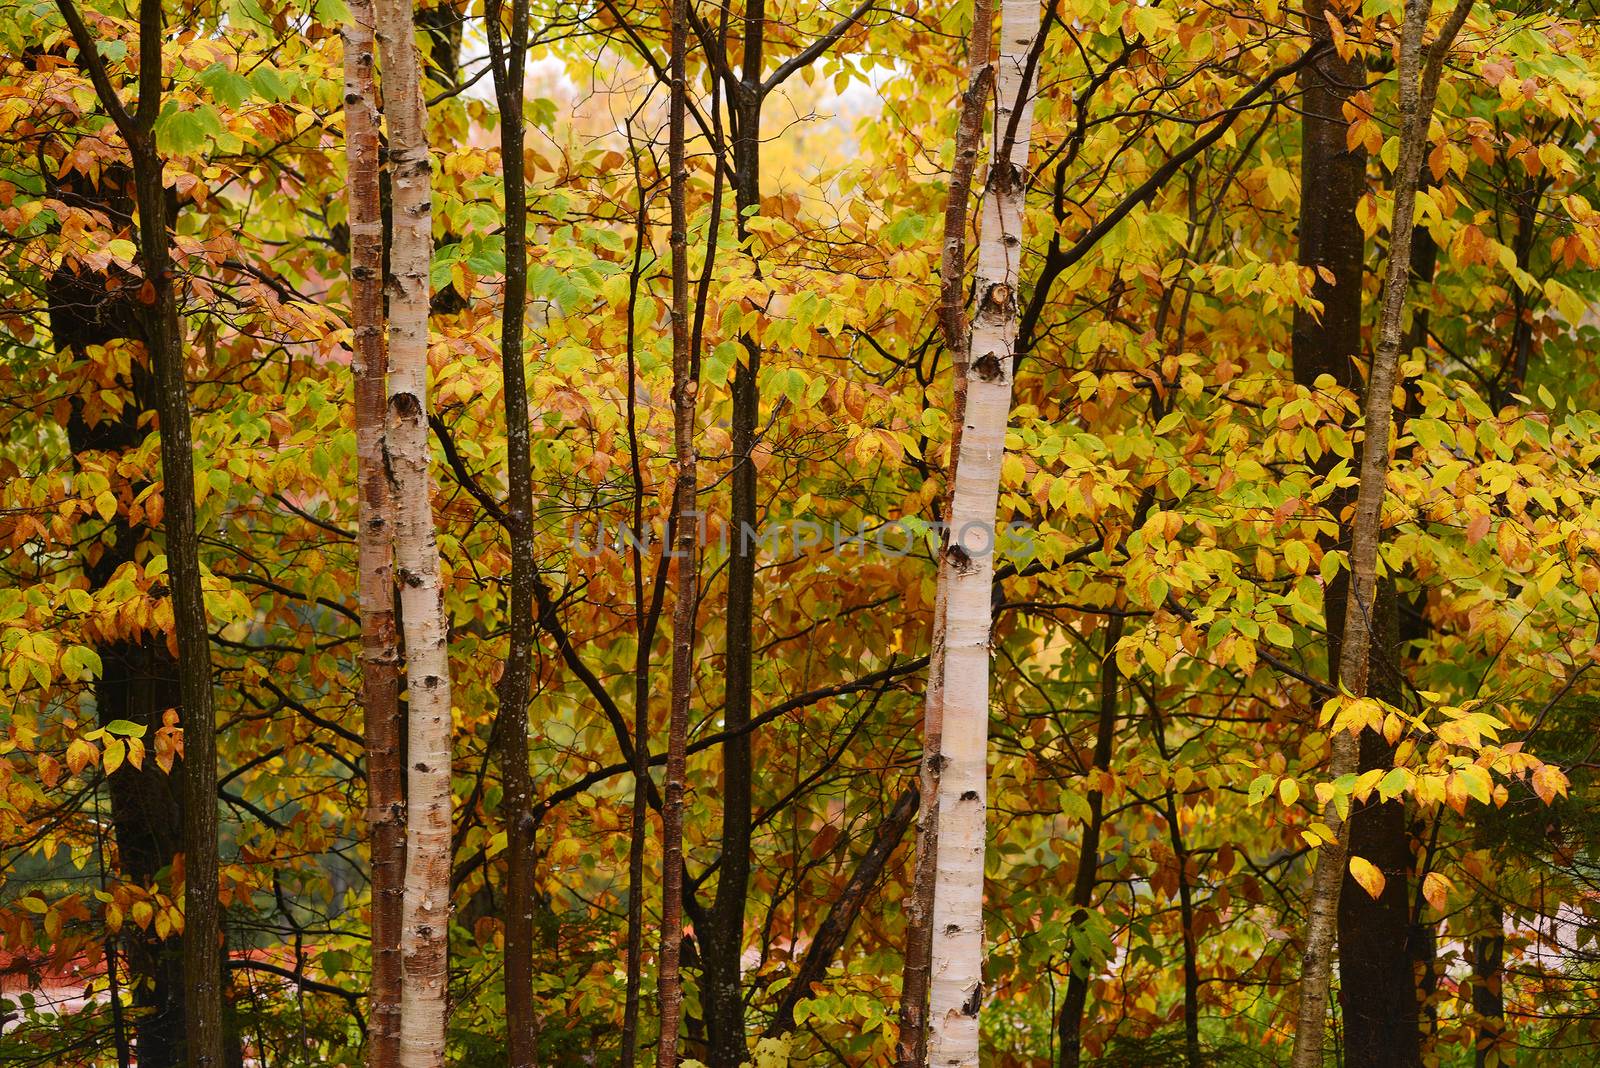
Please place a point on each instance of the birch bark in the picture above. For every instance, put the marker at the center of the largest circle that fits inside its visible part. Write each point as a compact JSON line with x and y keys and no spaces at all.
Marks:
{"x":911,"y":1048}
{"x":427,"y":883}
{"x":380,"y":653}
{"x":967,"y":563}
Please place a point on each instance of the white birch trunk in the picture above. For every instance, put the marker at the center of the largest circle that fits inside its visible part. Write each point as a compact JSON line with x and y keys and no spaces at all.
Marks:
{"x":380,"y":647}
{"x":967,"y":564}
{"x":427,"y":890}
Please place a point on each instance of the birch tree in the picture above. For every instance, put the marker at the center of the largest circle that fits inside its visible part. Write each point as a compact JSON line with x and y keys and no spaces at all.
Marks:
{"x":911,"y":1047}
{"x":1420,"y":67}
{"x":966,"y":565}
{"x":380,"y":654}
{"x":427,"y":879}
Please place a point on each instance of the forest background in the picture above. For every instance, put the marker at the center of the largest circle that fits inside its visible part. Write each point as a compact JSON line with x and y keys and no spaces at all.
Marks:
{"x":697,"y":270}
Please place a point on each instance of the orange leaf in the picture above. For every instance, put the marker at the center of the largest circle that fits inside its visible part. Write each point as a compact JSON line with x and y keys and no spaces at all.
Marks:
{"x":1548,"y":781}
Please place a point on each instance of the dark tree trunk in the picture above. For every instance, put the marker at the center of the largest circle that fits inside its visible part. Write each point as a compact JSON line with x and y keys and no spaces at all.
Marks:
{"x":647,"y":617}
{"x":139,"y":678}
{"x":1377,"y":987}
{"x":139,"y":684}
{"x":1513,"y":374}
{"x":441,"y":56}
{"x":684,"y":388}
{"x":1377,"y":984}
{"x":722,"y":942}
{"x":1191,"y":963}
{"x":1412,"y":623}
{"x":508,"y":59}
{"x":1333,"y":178}
{"x":1069,"y":1025}
{"x":1488,"y":997}
{"x":161,"y":334}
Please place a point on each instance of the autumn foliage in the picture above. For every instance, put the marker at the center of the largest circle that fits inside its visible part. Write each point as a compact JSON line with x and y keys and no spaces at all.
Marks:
{"x":1175,"y":503}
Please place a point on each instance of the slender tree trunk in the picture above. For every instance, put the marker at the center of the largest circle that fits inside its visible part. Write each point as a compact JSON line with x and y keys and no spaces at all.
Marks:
{"x":380,"y":651}
{"x":1191,"y":961}
{"x":646,"y":619}
{"x":1070,"y":1025}
{"x":1379,"y":998}
{"x":639,"y":832}
{"x":1192,"y":1055}
{"x":426,"y":629}
{"x":202,"y":932}
{"x":1418,"y":86}
{"x":722,"y":941}
{"x":1413,"y":625}
{"x":1513,"y":373}
{"x":516,"y":684}
{"x":967,"y":563}
{"x":684,"y":388}
{"x":911,"y":1049}
{"x":835,"y":927}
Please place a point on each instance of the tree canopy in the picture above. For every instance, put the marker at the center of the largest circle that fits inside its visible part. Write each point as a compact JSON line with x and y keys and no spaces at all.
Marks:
{"x":712,"y":391}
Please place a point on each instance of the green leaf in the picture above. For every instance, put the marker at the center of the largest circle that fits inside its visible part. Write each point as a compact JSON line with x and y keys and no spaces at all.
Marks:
{"x":720,"y":363}
{"x":1075,"y":805}
{"x":1394,"y":784}
{"x":180,"y":133}
{"x":227,"y":88}
{"x":1260,"y":786}
{"x":1179,"y":480}
{"x":269,"y":84}
{"x":332,"y":12}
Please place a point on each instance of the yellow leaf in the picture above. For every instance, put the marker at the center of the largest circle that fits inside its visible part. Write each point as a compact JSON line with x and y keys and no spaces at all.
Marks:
{"x":1288,"y":791}
{"x":116,"y":752}
{"x":1475,"y":781}
{"x":1366,"y":873}
{"x":80,"y":753}
{"x":106,"y":504}
{"x":1435,"y":888}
